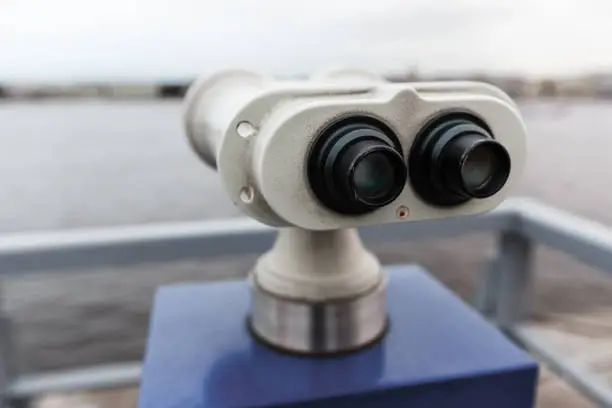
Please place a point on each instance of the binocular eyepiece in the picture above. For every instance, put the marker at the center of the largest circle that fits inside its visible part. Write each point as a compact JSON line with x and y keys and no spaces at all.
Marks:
{"x":456,"y":158}
{"x":356,"y":165}
{"x":342,"y":151}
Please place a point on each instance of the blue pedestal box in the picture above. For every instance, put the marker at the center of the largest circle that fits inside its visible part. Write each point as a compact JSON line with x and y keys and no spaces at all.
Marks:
{"x":438,"y":353}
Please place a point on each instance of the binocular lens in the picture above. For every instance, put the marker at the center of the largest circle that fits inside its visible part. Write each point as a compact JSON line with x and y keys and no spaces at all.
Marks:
{"x":356,"y":167}
{"x":477,"y":168}
{"x":456,"y":159}
{"x":373,"y":176}
{"x":485,"y":169}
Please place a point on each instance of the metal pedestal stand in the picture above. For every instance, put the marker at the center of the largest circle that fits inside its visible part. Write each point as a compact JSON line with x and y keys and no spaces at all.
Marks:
{"x":318,"y":293}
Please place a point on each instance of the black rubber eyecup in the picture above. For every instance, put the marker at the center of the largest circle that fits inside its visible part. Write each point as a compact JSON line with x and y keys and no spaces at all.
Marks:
{"x":455,"y":158}
{"x":356,"y":166}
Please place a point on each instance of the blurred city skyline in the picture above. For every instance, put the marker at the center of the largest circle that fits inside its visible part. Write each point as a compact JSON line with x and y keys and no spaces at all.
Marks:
{"x":149,"y":40}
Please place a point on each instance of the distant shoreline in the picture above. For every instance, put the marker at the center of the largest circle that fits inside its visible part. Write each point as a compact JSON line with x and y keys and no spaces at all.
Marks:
{"x":580,"y":87}
{"x":136,"y":97}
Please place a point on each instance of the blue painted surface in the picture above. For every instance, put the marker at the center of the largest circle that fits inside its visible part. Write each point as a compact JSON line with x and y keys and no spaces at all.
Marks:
{"x":438,"y":353}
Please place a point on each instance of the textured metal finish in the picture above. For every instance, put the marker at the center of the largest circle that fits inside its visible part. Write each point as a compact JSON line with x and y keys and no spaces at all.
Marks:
{"x":319,"y":328}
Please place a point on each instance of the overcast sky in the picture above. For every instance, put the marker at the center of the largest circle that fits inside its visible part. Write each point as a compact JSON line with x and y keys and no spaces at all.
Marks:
{"x":149,"y":39}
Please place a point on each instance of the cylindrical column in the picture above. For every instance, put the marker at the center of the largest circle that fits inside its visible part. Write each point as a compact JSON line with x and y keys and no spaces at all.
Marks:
{"x":304,"y":327}
{"x":515,"y":278}
{"x":318,"y":293}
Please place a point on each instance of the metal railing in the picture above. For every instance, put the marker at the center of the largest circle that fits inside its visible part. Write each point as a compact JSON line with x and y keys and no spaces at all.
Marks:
{"x":504,"y":296}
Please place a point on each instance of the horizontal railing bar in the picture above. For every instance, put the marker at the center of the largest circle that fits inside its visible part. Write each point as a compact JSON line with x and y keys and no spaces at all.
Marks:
{"x":90,"y":248}
{"x":586,"y":240}
{"x":583,"y":239}
{"x":91,"y":378}
{"x":586,"y":383}
{"x":116,"y":246}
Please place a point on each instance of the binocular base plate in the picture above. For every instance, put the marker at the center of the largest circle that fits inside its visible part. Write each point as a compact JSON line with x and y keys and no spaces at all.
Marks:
{"x":438,"y":352}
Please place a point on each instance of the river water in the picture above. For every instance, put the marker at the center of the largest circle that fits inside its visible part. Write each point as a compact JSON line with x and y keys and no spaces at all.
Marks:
{"x":70,"y":164}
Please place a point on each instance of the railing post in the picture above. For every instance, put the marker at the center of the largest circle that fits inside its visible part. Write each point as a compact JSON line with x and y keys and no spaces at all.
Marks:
{"x":6,"y":368}
{"x":515,"y":273}
{"x":488,"y":287}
